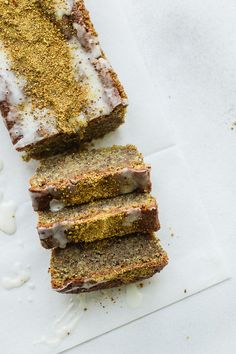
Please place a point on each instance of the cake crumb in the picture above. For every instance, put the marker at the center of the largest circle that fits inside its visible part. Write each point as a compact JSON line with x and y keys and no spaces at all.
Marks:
{"x":85,"y":309}
{"x":141,"y":285}
{"x":233,"y":125}
{"x":185,"y":291}
{"x":187,"y":337}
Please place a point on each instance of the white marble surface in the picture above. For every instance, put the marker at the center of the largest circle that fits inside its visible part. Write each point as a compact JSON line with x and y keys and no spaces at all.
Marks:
{"x":190,"y":50}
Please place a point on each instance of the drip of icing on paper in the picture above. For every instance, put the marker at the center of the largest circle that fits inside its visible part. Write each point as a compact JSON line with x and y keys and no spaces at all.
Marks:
{"x":20,"y":277}
{"x":7,"y":216}
{"x":134,"y":296}
{"x":66,"y":322}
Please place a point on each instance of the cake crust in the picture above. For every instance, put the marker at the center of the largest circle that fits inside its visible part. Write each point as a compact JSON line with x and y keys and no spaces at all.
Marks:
{"x":106,"y":263}
{"x":81,"y":177}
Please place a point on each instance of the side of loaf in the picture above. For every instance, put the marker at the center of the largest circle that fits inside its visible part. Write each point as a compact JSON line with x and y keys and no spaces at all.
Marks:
{"x":106,"y":263}
{"x":117,"y":216}
{"x":82,"y":177}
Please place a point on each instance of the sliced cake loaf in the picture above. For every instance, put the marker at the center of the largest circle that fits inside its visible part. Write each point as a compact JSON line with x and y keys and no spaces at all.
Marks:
{"x":117,"y":216}
{"x":57,"y":89}
{"x":81,"y":177}
{"x":106,"y":263}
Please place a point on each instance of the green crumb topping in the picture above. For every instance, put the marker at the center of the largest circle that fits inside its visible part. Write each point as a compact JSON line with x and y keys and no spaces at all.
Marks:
{"x":39,"y":53}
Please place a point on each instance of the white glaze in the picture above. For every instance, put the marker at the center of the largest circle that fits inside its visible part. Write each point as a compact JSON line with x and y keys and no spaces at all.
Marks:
{"x":48,"y":191}
{"x":132,"y":216}
{"x":85,"y":70}
{"x":86,"y":285}
{"x":20,"y":277}
{"x":10,"y":86}
{"x":33,"y":125}
{"x":56,"y":205}
{"x":133,"y":179}
{"x":60,"y":238}
{"x":134,"y":297}
{"x":66,"y":322}
{"x":28,"y":123}
{"x":89,"y":42}
{"x":63,"y":7}
{"x":57,"y":232}
{"x":110,"y":90}
{"x":7,"y":216}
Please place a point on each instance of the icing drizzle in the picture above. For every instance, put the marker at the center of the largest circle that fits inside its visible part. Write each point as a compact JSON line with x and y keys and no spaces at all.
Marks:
{"x":66,"y":323}
{"x":7,"y":216}
{"x":20,"y":277}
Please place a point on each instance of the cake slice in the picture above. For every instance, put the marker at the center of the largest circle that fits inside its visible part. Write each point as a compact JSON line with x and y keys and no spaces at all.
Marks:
{"x":57,"y":89}
{"x":106,"y":263}
{"x":81,"y":177}
{"x":118,"y":216}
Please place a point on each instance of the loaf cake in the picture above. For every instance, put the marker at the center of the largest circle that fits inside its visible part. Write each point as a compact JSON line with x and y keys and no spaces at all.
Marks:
{"x":81,"y":177}
{"x":117,"y":216}
{"x":57,"y":89}
{"x":106,"y":263}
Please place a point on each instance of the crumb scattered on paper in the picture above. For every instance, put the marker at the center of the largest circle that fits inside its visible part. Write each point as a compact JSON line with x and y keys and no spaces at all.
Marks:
{"x":233,"y":125}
